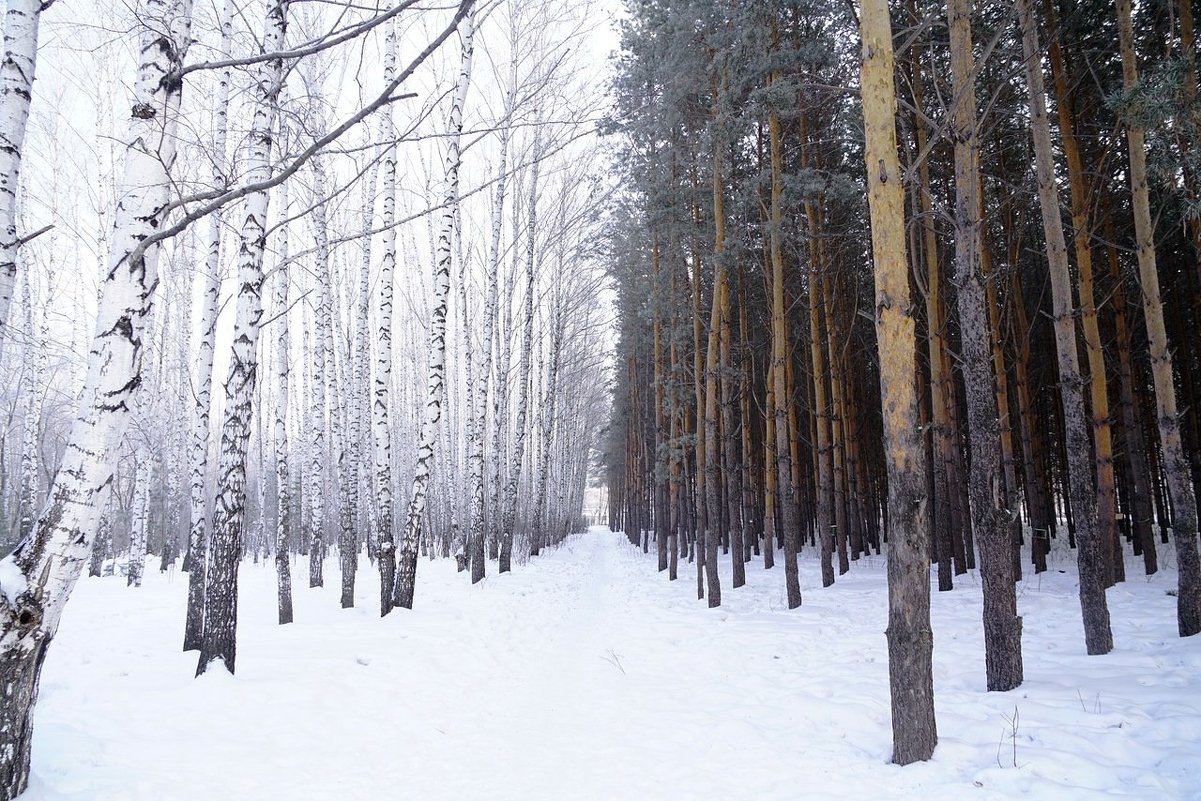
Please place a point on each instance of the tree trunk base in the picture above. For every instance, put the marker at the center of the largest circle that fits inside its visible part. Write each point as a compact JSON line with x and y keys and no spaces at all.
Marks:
{"x":1003,"y":661}
{"x":506,"y":554}
{"x":20,"y":672}
{"x":283,"y":573}
{"x":914,"y":733}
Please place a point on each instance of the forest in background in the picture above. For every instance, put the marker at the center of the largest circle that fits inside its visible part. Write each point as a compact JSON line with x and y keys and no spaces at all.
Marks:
{"x":983,"y":343}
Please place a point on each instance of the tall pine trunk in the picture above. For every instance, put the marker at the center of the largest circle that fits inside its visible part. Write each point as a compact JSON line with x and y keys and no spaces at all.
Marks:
{"x":1107,"y":530}
{"x":940,"y":433}
{"x":1132,"y":429}
{"x":1167,"y":418}
{"x":1097,"y":635}
{"x":785,"y":489}
{"x":910,"y":641}
{"x":713,"y":367}
{"x":989,"y":515}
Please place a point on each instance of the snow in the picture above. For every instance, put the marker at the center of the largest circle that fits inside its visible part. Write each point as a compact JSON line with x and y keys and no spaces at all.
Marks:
{"x":586,"y":675}
{"x":12,"y":581}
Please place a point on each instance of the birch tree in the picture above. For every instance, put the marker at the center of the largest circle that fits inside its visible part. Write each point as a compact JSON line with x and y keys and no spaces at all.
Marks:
{"x":283,"y":484}
{"x":546,"y":420}
{"x":317,"y":420}
{"x":475,"y":537}
{"x":31,"y":437}
{"x":360,"y":411}
{"x":509,"y":516}
{"x":436,"y":383}
{"x":37,"y":578}
{"x":16,"y":91}
{"x":381,"y":424}
{"x":351,"y":443}
{"x":142,"y":478}
{"x":219,"y":640}
{"x":197,"y":560}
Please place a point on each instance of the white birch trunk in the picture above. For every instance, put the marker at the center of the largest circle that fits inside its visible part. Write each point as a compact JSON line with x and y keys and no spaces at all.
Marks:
{"x":500,"y":422}
{"x":178,"y":456}
{"x":352,"y":441}
{"x":197,"y":561}
{"x":104,"y":538}
{"x":40,"y":574}
{"x":475,"y":459}
{"x":16,"y":91}
{"x":509,"y":518}
{"x":380,"y":422}
{"x":334,"y":380}
{"x":461,"y":410}
{"x":31,"y":439}
{"x":501,"y":398}
{"x":436,"y":384}
{"x":317,"y":388}
{"x":360,"y":419}
{"x":143,"y":473}
{"x":219,"y":639}
{"x":259,"y":544}
{"x":546,"y":429}
{"x":283,"y":491}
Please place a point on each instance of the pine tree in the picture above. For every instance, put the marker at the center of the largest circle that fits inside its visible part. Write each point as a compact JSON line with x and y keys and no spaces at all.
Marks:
{"x":910,"y":642}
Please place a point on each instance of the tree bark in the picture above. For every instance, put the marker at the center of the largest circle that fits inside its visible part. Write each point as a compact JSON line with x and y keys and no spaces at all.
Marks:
{"x":817,"y":354}
{"x":16,"y":91}
{"x":143,"y":475}
{"x":785,"y":490}
{"x":1097,"y":635}
{"x":381,"y":423}
{"x":910,"y":642}
{"x":940,"y":427}
{"x":436,"y":383}
{"x":475,"y":536}
{"x":990,"y":518}
{"x":1107,"y":530}
{"x":219,"y":637}
{"x":1132,"y":428}
{"x":283,"y":486}
{"x":1175,"y":464}
{"x":509,"y":518}
{"x":52,"y":558}
{"x":198,"y":531}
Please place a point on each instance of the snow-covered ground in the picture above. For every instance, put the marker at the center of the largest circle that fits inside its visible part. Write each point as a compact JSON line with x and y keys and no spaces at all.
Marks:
{"x":586,"y":675}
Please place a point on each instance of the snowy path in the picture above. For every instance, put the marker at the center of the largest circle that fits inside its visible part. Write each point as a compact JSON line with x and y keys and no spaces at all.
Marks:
{"x":585,"y":675}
